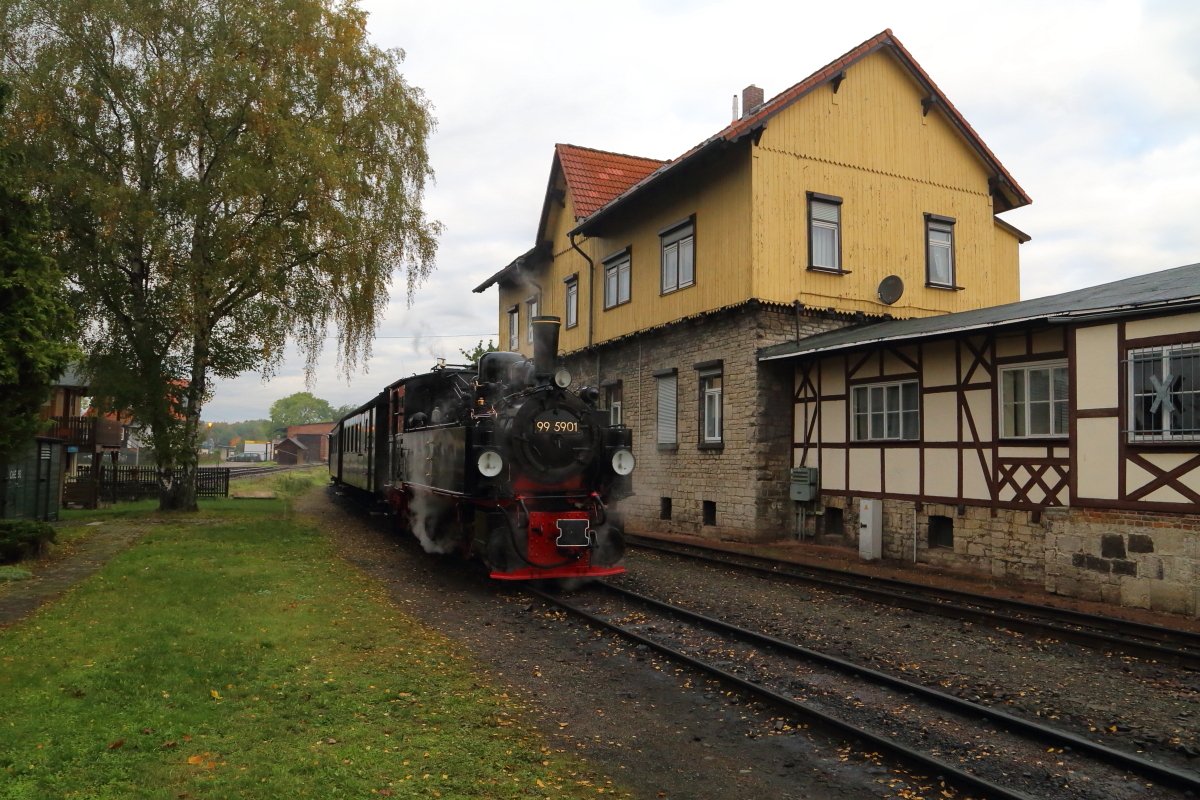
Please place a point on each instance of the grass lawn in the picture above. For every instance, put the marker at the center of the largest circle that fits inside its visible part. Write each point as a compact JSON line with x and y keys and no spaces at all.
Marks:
{"x":232,"y":654}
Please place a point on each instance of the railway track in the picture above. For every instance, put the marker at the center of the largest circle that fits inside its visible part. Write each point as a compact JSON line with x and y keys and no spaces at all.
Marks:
{"x":928,"y":728}
{"x":246,"y":472}
{"x":1096,"y":631}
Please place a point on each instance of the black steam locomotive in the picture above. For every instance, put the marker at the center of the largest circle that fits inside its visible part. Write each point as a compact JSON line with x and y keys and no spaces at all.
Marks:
{"x":507,"y":463}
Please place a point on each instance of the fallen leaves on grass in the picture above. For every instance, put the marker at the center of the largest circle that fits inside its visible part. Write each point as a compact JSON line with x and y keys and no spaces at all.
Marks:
{"x":216,"y":695}
{"x":167,"y":744}
{"x":147,"y":730}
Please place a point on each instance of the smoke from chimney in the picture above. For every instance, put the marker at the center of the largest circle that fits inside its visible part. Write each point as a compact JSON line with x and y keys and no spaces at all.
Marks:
{"x":752,"y":98}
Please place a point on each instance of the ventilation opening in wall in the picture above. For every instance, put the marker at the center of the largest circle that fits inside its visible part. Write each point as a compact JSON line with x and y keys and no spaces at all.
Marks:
{"x":664,"y":508}
{"x":941,"y":531}
{"x":835,"y":522}
{"x":710,"y":512}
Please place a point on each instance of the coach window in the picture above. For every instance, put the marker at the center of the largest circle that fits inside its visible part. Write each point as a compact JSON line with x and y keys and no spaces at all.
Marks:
{"x":1034,"y":400}
{"x":886,"y":411}
{"x":616,"y":278}
{"x":825,"y":233}
{"x":531,"y":311}
{"x":711,"y":402}
{"x":939,"y":252}
{"x":514,"y":330}
{"x":614,"y":402}
{"x":572,"y":299}
{"x":678,"y":255}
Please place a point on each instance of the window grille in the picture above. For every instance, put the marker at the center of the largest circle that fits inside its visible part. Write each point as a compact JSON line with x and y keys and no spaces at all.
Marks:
{"x":1164,"y":384}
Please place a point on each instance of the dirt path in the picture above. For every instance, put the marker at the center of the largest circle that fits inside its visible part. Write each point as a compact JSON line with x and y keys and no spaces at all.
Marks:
{"x":658,"y":731}
{"x":19,"y":599}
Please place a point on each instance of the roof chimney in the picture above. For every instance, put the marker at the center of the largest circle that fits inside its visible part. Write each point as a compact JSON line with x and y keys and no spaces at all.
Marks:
{"x":752,"y":98}
{"x":735,"y":108}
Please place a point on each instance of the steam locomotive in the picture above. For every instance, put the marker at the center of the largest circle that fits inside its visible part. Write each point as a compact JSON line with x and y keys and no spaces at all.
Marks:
{"x":506,"y":462}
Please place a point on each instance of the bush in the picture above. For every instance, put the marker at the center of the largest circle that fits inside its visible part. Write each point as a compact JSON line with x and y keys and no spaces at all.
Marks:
{"x":14,"y":574}
{"x":23,"y":538}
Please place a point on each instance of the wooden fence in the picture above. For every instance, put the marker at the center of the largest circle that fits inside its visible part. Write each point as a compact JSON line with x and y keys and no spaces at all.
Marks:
{"x":125,"y":483}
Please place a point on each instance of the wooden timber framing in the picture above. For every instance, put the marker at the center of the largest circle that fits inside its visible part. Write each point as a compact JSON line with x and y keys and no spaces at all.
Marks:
{"x":960,"y":455}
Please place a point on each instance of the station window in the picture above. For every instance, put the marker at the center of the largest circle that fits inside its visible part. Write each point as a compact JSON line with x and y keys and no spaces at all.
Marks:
{"x":1034,"y":400}
{"x":711,"y":406}
{"x":678,"y":255}
{"x":531,"y":311}
{"x":614,"y":402}
{"x":572,"y":304}
{"x":514,"y":330}
{"x":824,"y":232}
{"x":939,"y":251}
{"x":886,"y":411}
{"x":709,"y":510}
{"x":1164,"y":387}
{"x":941,"y":531}
{"x":667,"y":407}
{"x":617,"y":275}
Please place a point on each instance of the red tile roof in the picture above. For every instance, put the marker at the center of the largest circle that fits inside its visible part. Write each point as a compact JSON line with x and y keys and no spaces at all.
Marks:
{"x":747,"y":124}
{"x":596,"y":176}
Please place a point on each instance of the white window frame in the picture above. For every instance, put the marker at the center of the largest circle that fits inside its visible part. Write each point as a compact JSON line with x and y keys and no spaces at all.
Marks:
{"x":1055,"y":402}
{"x":531,"y":311}
{"x":678,"y":245}
{"x":818,"y":201}
{"x":618,"y":270}
{"x":614,"y":398}
{"x":1154,"y":394}
{"x":667,"y":391}
{"x":712,"y":410}
{"x":872,"y":391}
{"x":514,"y":329}
{"x":572,"y":302}
{"x":945,"y":225}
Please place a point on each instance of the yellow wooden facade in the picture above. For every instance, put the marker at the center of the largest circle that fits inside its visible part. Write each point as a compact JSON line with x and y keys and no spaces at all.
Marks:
{"x":872,"y":143}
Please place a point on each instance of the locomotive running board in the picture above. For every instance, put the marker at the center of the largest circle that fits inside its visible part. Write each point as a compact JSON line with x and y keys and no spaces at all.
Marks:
{"x":558,"y":572}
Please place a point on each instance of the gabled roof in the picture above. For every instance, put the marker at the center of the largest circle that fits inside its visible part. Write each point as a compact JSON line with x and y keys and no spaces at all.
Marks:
{"x":1169,"y":289}
{"x":596,"y":176}
{"x":528,"y":261}
{"x":1013,"y":194}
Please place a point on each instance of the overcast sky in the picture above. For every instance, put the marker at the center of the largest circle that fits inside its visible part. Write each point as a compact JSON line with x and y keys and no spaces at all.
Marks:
{"x":1093,"y":106}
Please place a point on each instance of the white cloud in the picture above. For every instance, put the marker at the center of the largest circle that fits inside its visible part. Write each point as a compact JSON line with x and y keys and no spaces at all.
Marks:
{"x":1093,"y":105}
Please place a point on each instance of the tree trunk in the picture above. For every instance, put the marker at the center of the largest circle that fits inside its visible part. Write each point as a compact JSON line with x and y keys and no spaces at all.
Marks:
{"x":177,"y":465}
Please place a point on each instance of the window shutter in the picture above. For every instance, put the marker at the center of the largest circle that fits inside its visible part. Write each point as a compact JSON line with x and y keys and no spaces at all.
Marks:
{"x":826,"y":212}
{"x":667,"y":409}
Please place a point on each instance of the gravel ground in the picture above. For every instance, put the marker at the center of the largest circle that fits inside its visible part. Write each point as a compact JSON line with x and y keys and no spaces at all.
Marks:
{"x":1125,"y":702}
{"x":653,"y":729}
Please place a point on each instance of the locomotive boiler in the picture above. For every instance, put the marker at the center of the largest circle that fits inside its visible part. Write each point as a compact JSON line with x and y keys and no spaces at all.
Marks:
{"x":507,"y":462}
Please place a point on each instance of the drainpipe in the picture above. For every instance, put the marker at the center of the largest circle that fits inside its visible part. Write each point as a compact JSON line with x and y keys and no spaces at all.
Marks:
{"x":591,"y":288}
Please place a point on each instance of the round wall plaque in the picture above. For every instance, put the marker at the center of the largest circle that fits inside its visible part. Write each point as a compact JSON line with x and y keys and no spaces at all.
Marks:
{"x":890,"y":289}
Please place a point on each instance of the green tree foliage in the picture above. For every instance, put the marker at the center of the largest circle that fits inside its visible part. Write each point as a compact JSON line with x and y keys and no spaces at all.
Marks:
{"x":35,"y":320}
{"x":223,"y":177}
{"x":223,"y":433}
{"x":475,"y":353}
{"x":300,"y":408}
{"x":341,"y":411}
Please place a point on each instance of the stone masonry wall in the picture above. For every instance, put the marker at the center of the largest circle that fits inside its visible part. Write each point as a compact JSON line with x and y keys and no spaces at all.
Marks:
{"x":748,"y":478}
{"x":1144,"y":559}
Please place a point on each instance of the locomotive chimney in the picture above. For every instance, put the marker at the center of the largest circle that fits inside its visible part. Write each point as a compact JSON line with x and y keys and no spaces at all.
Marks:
{"x":545,"y":344}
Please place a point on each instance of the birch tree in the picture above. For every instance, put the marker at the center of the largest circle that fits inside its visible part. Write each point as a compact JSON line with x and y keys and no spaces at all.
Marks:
{"x":223,"y":178}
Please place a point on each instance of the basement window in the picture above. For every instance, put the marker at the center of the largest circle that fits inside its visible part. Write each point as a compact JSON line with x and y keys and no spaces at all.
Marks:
{"x":710,"y":512}
{"x":941,"y":531}
{"x":835,"y":522}
{"x":664,"y":508}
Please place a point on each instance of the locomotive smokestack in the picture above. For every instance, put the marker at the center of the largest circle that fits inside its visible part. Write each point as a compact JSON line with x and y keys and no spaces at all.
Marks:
{"x":545,"y":344}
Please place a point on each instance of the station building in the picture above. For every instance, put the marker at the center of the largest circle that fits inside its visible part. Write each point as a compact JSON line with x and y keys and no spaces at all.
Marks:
{"x":825,"y":285}
{"x":670,"y":276}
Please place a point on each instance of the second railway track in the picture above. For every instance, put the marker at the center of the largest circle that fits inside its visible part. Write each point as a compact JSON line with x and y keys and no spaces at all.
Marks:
{"x":1156,"y":642}
{"x":928,"y":728}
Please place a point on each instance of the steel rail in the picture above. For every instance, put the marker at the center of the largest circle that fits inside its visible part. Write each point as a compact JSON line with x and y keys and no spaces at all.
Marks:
{"x":902,"y":593}
{"x":952,"y":774}
{"x":1015,"y":724}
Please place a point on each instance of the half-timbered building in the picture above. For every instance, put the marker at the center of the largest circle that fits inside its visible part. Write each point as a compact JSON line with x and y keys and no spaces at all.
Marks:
{"x":1055,"y":439}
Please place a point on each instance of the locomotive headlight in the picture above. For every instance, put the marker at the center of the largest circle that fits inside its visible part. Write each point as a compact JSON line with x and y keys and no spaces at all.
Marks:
{"x":623,"y":462}
{"x":490,"y":463}
{"x":562,"y":379}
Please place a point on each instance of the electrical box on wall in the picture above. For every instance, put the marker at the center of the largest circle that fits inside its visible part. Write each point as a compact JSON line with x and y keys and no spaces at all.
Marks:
{"x":870,"y":528}
{"x":805,"y":484}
